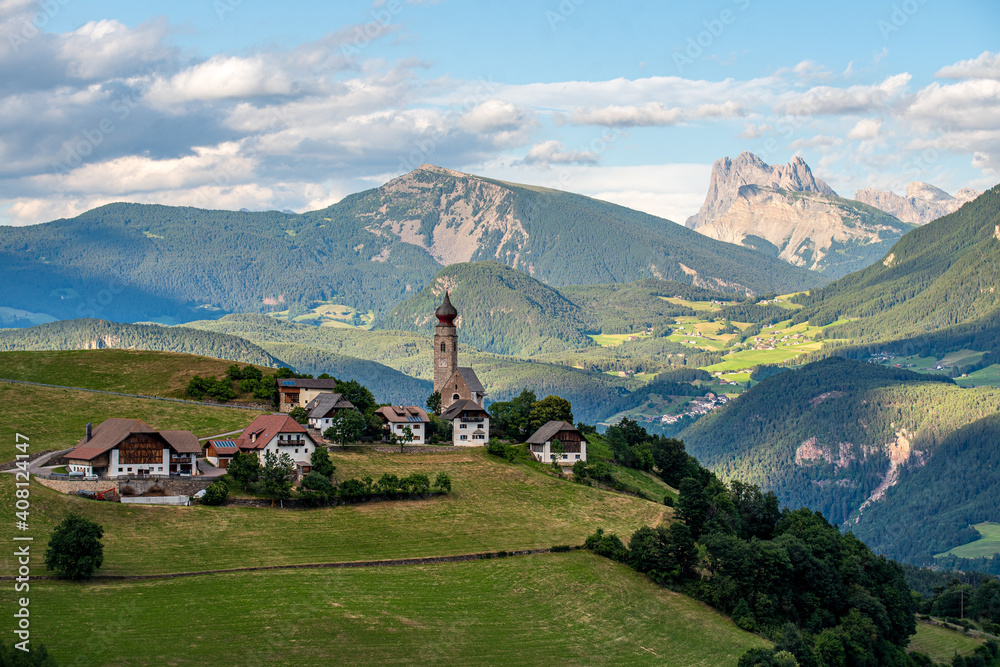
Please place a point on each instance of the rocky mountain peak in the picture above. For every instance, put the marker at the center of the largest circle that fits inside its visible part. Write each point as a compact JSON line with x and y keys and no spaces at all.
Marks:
{"x":728,"y":176}
{"x":923,"y":202}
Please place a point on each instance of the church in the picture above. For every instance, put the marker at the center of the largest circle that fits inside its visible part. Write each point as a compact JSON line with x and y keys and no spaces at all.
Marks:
{"x":463,"y":396}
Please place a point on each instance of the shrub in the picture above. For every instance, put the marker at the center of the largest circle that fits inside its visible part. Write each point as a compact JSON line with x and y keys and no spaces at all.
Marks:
{"x":609,"y":546}
{"x":561,"y":548}
{"x":668,"y":500}
{"x":443,"y":482}
{"x":299,"y":414}
{"x":500,"y":449}
{"x":216,"y":493}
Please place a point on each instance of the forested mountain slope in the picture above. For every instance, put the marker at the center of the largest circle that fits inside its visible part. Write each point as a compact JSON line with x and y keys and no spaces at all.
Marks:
{"x":133,"y":262}
{"x":934,"y":505}
{"x":505,"y":311}
{"x":835,"y":434}
{"x":943,"y":274}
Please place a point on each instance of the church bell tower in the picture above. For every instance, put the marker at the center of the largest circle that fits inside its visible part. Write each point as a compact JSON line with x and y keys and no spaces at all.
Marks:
{"x":445,"y":343}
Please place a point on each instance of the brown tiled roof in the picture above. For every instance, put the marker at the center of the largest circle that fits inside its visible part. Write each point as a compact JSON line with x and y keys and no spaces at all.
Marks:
{"x":266,"y":427}
{"x":182,"y":442}
{"x":549,"y":431}
{"x":402,"y":414}
{"x":106,"y":435}
{"x":458,"y":407}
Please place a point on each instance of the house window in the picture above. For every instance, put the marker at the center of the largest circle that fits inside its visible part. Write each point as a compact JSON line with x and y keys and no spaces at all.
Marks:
{"x":159,"y":469}
{"x":416,"y":427}
{"x":464,"y":437}
{"x":463,"y":426}
{"x":119,"y":470}
{"x":296,"y":450}
{"x":578,"y":457}
{"x":129,"y":470}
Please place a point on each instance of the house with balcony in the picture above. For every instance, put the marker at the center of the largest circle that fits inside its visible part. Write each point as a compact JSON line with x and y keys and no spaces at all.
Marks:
{"x":131,"y":447}
{"x":397,"y":417}
{"x":470,"y":423}
{"x":572,"y":442}
{"x":279,"y":434}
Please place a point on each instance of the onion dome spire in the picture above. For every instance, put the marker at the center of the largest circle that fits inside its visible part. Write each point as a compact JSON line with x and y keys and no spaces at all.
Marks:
{"x":446,"y":312}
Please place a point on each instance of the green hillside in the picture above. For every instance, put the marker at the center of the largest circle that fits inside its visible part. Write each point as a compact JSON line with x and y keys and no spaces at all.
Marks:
{"x":126,"y":371}
{"x":835,"y":433}
{"x":936,"y":277}
{"x":593,"y":612}
{"x":508,"y":312}
{"x":89,"y":334}
{"x":501,"y":310}
{"x":388,"y":385}
{"x":136,"y":262}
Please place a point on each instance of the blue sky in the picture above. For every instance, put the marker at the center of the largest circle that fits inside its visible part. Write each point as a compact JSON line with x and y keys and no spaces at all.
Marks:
{"x":230,"y":103}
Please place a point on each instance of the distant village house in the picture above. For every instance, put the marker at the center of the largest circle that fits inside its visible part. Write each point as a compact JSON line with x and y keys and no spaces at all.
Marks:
{"x":397,"y":417}
{"x":297,"y":392}
{"x":324,"y":409}
{"x":279,"y":434}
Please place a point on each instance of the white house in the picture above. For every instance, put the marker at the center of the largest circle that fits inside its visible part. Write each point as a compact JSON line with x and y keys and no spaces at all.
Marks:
{"x":324,"y":408}
{"x":470,"y":423}
{"x":398,"y":417}
{"x":123,"y":447}
{"x":573,"y":443}
{"x":279,"y":434}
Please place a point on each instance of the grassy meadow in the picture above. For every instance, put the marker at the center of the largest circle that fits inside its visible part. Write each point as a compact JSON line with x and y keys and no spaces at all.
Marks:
{"x":941,"y":644}
{"x":56,"y":418}
{"x":127,"y":371}
{"x":987,"y":545}
{"x":572,"y":608}
{"x":494,"y":505}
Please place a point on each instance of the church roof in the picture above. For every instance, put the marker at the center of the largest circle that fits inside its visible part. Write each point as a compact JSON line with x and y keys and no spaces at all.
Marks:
{"x":446,"y":311}
{"x":471,"y":379}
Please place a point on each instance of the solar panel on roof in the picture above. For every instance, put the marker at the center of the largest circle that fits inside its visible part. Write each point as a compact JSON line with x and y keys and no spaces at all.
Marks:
{"x":288,"y":383}
{"x":413,"y":418}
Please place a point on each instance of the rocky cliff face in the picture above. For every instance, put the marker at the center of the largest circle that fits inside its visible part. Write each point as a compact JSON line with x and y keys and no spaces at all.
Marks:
{"x":923,"y":202}
{"x":808,"y":229}
{"x":728,"y":176}
{"x":452,"y":218}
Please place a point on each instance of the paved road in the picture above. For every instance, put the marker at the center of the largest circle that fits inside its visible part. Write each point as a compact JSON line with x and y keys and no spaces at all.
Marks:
{"x":37,"y":464}
{"x":208,"y":470}
{"x":221,"y":435}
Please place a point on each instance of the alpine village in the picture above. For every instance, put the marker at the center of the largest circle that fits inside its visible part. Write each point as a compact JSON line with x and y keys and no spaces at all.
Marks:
{"x":410,"y":332}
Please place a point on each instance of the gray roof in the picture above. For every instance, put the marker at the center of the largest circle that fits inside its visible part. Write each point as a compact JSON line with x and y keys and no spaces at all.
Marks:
{"x":322,"y":405}
{"x":549,"y":431}
{"x":471,"y":379}
{"x":458,"y":407}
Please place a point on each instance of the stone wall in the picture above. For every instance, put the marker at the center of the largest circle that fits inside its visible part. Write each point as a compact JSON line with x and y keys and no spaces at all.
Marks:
{"x":184,"y":486}
{"x":69,"y":486}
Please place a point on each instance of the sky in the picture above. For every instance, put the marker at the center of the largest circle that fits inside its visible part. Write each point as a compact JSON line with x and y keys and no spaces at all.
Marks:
{"x":244,"y":104}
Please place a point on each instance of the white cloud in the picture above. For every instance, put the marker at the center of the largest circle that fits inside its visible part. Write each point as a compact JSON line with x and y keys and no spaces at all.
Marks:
{"x":866,"y":128}
{"x":108,"y":48}
{"x":986,"y":66}
{"x":652,"y":113}
{"x":222,"y":78}
{"x":818,"y":141}
{"x":554,"y":152}
{"x":828,"y":100}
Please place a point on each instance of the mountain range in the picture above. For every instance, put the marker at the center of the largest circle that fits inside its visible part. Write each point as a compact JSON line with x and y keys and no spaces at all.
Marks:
{"x":132,"y":262}
{"x":786,"y":212}
{"x":922,"y":203}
